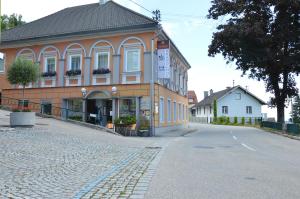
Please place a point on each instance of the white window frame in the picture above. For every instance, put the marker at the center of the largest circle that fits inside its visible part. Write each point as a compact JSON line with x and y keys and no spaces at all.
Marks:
{"x":179,"y":111}
{"x":125,"y":59}
{"x":248,"y":108}
{"x":70,"y":61}
{"x":97,"y":58}
{"x":162,"y":110}
{"x":224,"y":111}
{"x":169,"y":107}
{"x":4,"y":60}
{"x":46,"y":62}
{"x":174,"y":111}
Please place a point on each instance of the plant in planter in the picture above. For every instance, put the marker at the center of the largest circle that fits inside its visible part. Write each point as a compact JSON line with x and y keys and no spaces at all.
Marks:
{"x":22,"y":72}
{"x":49,"y":74}
{"x":144,"y":129}
{"x":73,"y":72}
{"x":123,"y":124}
{"x":101,"y":71}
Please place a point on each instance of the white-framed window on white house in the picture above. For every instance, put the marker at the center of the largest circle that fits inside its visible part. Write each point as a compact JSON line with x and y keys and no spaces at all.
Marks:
{"x":75,"y":62}
{"x":238,"y":96}
{"x":175,"y":111}
{"x":2,"y":62}
{"x":249,"y":109}
{"x":204,"y":110}
{"x":161,"y":110}
{"x":102,"y":60}
{"x":169,"y":110}
{"x":50,"y":64}
{"x":225,"y":109}
{"x":132,"y":60}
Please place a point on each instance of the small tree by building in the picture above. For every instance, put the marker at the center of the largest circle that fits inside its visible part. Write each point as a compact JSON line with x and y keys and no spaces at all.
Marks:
{"x":295,"y":114}
{"x":215,"y":111}
{"x":22,"y":72}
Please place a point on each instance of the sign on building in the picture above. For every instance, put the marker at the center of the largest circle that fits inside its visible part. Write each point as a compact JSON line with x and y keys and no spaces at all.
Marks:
{"x":163,"y":55}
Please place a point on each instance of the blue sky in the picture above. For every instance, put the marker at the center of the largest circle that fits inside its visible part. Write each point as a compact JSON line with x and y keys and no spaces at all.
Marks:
{"x":192,"y":35}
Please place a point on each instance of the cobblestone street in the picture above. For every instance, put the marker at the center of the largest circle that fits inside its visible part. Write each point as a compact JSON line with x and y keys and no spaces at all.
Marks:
{"x":48,"y":163}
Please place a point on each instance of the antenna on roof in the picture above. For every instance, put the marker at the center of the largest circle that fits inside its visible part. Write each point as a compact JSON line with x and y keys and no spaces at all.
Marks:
{"x":233,"y":82}
{"x":157,"y":15}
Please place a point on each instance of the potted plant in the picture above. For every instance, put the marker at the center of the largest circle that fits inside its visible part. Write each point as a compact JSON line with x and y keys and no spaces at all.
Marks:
{"x":73,"y":72}
{"x":144,"y":128}
{"x":22,"y":72}
{"x":49,"y":74}
{"x":123,"y":124}
{"x":101,"y":71}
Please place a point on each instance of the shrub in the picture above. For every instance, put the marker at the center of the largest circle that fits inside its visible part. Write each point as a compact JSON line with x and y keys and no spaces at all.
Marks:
{"x":73,"y":72}
{"x":243,"y":121}
{"x":100,"y":71}
{"x":16,"y":110}
{"x":235,"y":120}
{"x":76,"y":118}
{"x":26,"y":110}
{"x":227,"y":120}
{"x":221,"y":120}
{"x":250,"y":121}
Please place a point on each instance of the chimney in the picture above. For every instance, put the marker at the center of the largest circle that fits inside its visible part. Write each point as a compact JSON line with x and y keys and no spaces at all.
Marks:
{"x":102,"y":2}
{"x":211,"y":92}
{"x":205,"y":94}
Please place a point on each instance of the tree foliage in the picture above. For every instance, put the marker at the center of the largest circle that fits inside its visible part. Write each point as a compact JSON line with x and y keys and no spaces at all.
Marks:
{"x":262,"y":38}
{"x":8,"y":22}
{"x":296,"y":110}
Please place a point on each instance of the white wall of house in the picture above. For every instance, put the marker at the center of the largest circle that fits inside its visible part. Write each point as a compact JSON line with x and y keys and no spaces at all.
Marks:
{"x":205,"y":111}
{"x":237,"y":101}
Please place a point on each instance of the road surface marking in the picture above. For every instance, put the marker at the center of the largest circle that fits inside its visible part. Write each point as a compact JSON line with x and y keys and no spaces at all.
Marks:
{"x":234,"y":137}
{"x":247,"y":147}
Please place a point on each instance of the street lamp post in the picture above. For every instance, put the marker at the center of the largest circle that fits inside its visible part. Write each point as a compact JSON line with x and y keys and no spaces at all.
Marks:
{"x":84,"y":92}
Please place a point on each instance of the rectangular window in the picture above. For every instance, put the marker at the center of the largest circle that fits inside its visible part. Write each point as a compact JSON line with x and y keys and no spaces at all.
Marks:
{"x":75,"y":62}
{"x":249,"y":109}
{"x":169,"y":110}
{"x":225,"y":109}
{"x":210,"y":110}
{"x":175,"y":111}
{"x":132,"y":60}
{"x":238,"y":96}
{"x":102,"y":60}
{"x":127,"y":107}
{"x":2,"y":57}
{"x":204,"y":110}
{"x":50,"y":64}
{"x":200,"y":110}
{"x":161,"y":110}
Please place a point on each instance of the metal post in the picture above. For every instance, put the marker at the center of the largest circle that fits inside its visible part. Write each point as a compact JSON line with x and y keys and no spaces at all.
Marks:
{"x":152,"y":128}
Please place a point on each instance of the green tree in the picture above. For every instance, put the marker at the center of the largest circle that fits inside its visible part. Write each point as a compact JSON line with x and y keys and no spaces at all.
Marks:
{"x":215,"y":111}
{"x":8,"y":22}
{"x":295,"y":114}
{"x":262,"y":39}
{"x":22,"y":72}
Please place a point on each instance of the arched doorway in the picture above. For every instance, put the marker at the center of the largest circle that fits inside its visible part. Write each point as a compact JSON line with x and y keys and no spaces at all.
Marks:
{"x":99,"y":108}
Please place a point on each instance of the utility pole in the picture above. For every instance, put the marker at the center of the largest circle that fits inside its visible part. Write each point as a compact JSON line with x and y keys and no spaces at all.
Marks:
{"x":157,"y":15}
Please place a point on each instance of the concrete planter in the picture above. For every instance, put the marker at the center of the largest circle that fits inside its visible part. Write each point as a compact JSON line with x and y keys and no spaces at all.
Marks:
{"x":26,"y":119}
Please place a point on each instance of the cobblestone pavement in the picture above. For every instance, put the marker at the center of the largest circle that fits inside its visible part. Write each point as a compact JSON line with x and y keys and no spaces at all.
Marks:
{"x":43,"y":163}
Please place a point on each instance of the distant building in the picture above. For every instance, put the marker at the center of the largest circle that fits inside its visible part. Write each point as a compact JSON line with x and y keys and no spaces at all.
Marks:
{"x":231,"y":102}
{"x":192,"y":97}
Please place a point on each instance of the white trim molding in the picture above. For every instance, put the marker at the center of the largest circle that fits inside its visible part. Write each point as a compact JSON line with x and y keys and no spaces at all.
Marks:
{"x":107,"y":78}
{"x":73,"y":44}
{"x":131,"y":38}
{"x":77,"y":77}
{"x":27,"y":49}
{"x":98,"y":42}
{"x":53,"y":82}
{"x":136,"y":74}
{"x":47,"y":47}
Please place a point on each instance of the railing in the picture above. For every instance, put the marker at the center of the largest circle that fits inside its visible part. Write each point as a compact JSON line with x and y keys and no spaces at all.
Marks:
{"x":44,"y":109}
{"x":292,"y":129}
{"x":272,"y":125}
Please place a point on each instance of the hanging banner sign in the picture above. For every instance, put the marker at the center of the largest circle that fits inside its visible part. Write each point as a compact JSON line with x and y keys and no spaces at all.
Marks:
{"x":163,"y":55}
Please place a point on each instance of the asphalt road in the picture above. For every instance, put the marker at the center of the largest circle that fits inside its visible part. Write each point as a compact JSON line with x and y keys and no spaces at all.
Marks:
{"x":228,"y":162}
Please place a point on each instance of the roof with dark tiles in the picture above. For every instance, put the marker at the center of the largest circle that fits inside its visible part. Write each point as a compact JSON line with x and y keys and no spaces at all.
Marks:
{"x":208,"y":101}
{"x":88,"y":18}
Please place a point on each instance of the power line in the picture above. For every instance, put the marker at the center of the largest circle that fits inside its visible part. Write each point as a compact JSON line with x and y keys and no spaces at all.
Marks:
{"x":156,"y":14}
{"x":141,"y":6}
